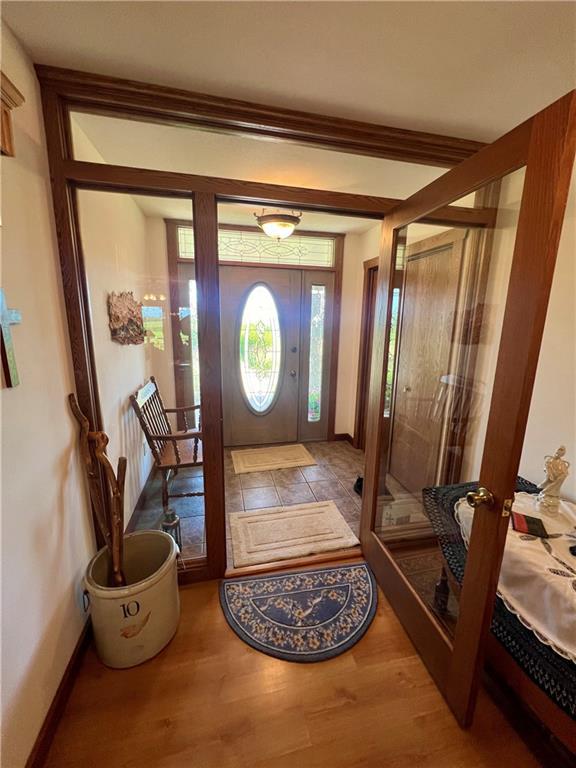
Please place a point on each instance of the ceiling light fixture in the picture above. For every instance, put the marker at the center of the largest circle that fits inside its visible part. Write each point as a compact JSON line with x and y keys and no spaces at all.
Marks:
{"x":278,"y":225}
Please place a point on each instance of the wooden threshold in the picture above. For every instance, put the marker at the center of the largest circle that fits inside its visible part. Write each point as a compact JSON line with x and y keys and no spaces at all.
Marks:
{"x":325,"y":558}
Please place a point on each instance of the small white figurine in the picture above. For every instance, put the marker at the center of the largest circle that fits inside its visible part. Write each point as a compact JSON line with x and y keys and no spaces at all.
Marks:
{"x":556,"y":469}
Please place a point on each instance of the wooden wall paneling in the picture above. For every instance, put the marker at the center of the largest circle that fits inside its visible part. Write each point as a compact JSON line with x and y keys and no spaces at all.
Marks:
{"x":206,"y":262}
{"x":134,"y":100}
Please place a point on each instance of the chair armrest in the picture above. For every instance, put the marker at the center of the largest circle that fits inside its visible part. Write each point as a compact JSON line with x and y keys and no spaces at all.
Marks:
{"x":182,"y":408}
{"x":178,"y":436}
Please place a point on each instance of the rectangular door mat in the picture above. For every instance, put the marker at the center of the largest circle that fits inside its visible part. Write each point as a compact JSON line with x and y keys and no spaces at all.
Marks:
{"x":272,"y":457}
{"x":282,"y":533}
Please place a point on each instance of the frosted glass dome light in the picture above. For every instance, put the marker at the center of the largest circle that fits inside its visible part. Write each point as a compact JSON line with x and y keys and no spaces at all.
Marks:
{"x":278,"y":225}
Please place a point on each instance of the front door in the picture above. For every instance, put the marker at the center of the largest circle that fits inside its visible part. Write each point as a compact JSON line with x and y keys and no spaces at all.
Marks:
{"x":277,"y":330}
{"x":260,"y":321}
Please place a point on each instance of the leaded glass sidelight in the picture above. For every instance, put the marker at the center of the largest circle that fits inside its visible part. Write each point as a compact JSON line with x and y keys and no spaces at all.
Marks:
{"x":260,"y":347}
{"x":317,"y":310}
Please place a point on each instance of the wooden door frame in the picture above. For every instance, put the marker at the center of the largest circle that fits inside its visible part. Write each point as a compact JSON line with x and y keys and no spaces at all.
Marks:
{"x":545,"y":144}
{"x":364,"y":352}
{"x":133,"y":100}
{"x":339,"y":238}
{"x":68,"y":175}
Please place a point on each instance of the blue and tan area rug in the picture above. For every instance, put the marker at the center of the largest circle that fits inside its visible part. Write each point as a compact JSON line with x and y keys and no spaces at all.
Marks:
{"x":302,"y":616}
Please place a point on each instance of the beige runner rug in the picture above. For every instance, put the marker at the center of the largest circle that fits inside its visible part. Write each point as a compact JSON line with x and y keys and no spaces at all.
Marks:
{"x":281,"y":533}
{"x":273,"y":457}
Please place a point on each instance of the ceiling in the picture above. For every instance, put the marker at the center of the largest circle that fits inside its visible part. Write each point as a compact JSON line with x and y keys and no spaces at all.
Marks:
{"x":237,"y":213}
{"x":167,"y":148}
{"x":207,"y":153}
{"x":469,"y":69}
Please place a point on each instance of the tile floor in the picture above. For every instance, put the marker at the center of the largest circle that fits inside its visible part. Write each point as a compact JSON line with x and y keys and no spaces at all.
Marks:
{"x":333,"y":477}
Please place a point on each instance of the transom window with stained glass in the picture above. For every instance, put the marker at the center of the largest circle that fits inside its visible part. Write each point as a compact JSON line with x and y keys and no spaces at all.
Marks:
{"x":257,"y":248}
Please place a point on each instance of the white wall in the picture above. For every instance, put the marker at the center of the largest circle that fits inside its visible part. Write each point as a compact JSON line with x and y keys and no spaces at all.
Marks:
{"x":113,"y":235}
{"x":46,"y":528}
{"x":160,"y":361}
{"x":358,"y":248}
{"x":493,"y":315}
{"x":552,"y":419}
{"x":124,"y":251}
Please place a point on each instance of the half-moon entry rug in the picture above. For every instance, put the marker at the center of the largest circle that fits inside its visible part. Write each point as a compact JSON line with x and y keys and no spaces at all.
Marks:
{"x":302,"y":616}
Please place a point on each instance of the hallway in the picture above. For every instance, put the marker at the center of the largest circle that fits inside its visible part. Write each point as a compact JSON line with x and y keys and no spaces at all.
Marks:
{"x":210,"y":701}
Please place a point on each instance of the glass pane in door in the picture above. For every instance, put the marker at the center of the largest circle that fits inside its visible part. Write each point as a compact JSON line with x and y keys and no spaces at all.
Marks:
{"x":316,"y":352}
{"x":144,"y":323}
{"x":445,"y":319}
{"x":260,"y":349}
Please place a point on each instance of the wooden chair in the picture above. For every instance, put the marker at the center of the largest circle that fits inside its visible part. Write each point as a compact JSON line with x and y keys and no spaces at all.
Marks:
{"x":172,"y":451}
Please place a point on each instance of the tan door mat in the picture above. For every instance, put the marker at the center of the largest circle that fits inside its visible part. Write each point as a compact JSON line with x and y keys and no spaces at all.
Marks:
{"x":282,"y":533}
{"x":273,"y":457}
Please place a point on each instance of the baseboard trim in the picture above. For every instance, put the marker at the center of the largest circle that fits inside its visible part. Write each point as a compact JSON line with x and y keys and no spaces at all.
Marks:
{"x":39,"y":753}
{"x":344,"y":436}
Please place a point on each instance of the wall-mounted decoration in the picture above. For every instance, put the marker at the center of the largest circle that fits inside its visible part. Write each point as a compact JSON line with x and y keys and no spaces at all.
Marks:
{"x":125,"y":318}
{"x":8,"y":317}
{"x":10,"y":98}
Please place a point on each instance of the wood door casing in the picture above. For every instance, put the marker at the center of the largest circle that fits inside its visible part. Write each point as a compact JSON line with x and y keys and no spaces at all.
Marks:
{"x":242,"y":426}
{"x":365,"y":351}
{"x":432,"y":273}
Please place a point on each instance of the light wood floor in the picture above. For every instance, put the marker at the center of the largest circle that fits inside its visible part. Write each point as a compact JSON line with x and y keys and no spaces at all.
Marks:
{"x":210,"y":701}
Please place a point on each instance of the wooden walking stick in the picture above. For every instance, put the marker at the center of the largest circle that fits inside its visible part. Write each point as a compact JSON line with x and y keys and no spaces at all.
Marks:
{"x":111,"y":525}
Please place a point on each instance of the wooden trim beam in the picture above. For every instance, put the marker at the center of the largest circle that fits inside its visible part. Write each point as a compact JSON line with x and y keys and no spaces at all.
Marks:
{"x":121,"y":178}
{"x":135,"y":100}
{"x":207,"y":280}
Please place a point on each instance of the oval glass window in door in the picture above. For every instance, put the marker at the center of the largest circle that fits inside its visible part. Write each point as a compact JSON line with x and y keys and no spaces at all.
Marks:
{"x":260,"y":347}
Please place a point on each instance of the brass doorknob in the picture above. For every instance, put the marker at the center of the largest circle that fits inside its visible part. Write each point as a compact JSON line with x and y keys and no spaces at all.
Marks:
{"x":293,"y":374}
{"x":481,"y":496}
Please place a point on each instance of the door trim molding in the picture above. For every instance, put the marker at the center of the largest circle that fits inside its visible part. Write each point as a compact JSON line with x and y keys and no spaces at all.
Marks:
{"x":112,"y":96}
{"x":364,"y":352}
{"x":67,"y":176}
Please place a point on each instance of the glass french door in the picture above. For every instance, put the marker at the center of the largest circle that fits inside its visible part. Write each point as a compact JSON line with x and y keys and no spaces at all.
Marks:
{"x":459,"y":319}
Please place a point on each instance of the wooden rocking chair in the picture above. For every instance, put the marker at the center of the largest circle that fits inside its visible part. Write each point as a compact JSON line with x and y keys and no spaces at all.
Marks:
{"x":171,"y":450}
